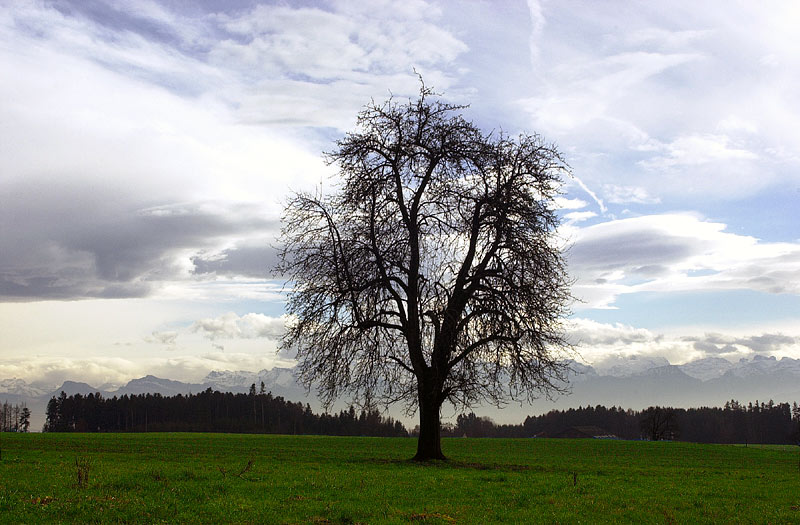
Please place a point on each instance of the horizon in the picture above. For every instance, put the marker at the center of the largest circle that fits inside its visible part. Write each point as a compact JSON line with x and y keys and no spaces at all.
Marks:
{"x":148,"y":148}
{"x":590,"y":389}
{"x":613,"y":366}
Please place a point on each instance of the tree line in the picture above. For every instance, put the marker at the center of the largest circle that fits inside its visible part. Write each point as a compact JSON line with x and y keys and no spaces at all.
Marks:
{"x":209,"y":411}
{"x":14,"y":418}
{"x":260,"y":412}
{"x":734,"y":423}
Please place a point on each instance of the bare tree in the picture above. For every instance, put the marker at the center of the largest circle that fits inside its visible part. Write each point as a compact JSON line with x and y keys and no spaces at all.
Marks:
{"x":659,"y":423}
{"x":433,"y":272}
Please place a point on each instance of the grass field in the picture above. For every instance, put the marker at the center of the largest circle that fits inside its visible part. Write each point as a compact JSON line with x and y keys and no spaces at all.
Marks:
{"x":205,"y":478}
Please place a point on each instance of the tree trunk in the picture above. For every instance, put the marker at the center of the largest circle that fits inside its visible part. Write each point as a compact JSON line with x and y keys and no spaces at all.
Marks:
{"x":429,"y":444}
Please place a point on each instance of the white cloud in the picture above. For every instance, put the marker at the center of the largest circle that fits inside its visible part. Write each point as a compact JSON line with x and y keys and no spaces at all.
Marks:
{"x":683,"y":92}
{"x":315,"y":67}
{"x":695,"y":150}
{"x":248,"y":326}
{"x":605,"y":345}
{"x":734,"y":124}
{"x":586,"y":332}
{"x":669,"y":253}
{"x":564,"y":203}
{"x":537,"y":26}
{"x":615,"y":194}
{"x":578,"y":216}
{"x":586,"y":90}
{"x":663,"y":39}
{"x":51,"y":372}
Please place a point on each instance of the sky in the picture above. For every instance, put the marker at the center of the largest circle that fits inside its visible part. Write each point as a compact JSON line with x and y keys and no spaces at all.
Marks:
{"x":147,"y":148}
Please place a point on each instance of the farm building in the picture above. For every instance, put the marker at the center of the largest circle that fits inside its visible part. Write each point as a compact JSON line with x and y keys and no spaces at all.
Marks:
{"x":585,"y":432}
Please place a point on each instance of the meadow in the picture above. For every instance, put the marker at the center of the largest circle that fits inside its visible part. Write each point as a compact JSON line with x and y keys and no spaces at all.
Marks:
{"x":236,"y":478}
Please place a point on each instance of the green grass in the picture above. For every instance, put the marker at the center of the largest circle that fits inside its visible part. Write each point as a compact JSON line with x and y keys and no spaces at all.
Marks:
{"x":195,"y":478}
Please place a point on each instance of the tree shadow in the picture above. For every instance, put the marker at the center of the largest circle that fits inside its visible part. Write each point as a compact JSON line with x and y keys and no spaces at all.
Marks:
{"x":447,"y":464}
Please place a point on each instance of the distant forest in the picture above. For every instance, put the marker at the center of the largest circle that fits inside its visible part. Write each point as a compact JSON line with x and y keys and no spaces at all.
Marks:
{"x":209,"y":411}
{"x":260,"y":412}
{"x":734,"y":423}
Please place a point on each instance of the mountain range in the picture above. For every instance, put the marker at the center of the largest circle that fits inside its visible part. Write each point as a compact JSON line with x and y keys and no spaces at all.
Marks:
{"x":633,"y":382}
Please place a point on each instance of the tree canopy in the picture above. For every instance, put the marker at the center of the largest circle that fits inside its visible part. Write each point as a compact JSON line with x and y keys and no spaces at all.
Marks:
{"x":433,"y":272}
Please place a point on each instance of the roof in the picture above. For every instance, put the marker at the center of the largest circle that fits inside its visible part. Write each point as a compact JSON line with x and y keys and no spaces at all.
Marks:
{"x":589,"y":431}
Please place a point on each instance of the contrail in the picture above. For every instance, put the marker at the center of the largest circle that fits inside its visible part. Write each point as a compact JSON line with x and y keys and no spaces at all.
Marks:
{"x":592,"y":194}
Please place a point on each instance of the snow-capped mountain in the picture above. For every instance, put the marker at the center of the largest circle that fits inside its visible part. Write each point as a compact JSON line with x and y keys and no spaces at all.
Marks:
{"x":20,"y":388}
{"x":226,"y":379}
{"x":234,"y":381}
{"x":580,"y":371}
{"x":625,"y":366}
{"x":283,"y":377}
{"x":705,"y":382}
{"x":155,"y":385}
{"x":707,"y":368}
{"x":761,"y":365}
{"x":279,"y":381}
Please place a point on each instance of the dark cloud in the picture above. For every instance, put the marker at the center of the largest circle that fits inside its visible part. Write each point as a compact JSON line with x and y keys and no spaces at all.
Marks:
{"x":649,"y":251}
{"x":249,"y":261}
{"x":711,"y":348}
{"x":116,"y":19}
{"x":651,"y":270}
{"x":67,"y":242}
{"x":767,"y":342}
{"x":164,"y":338}
{"x":721,"y":344}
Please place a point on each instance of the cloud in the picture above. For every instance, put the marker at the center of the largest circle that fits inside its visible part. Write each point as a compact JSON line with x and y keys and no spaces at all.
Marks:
{"x":615,"y":194}
{"x":669,"y":253}
{"x":605,"y":345}
{"x":585,"y":332}
{"x":147,"y":147}
{"x":578,"y":216}
{"x":713,"y":349}
{"x":248,"y":326}
{"x":590,"y":193}
{"x":344,"y":41}
{"x":62,"y":242}
{"x":317,"y":67}
{"x":766,"y":343}
{"x":256,"y":261}
{"x":307,"y":66}
{"x":164,"y":338}
{"x":153,"y":172}
{"x":595,"y":85}
{"x":564,"y":203}
{"x":680,"y":103}
{"x":51,"y":372}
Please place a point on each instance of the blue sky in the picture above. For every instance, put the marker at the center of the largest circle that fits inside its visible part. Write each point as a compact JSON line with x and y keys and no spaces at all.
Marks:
{"x":146,"y":148}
